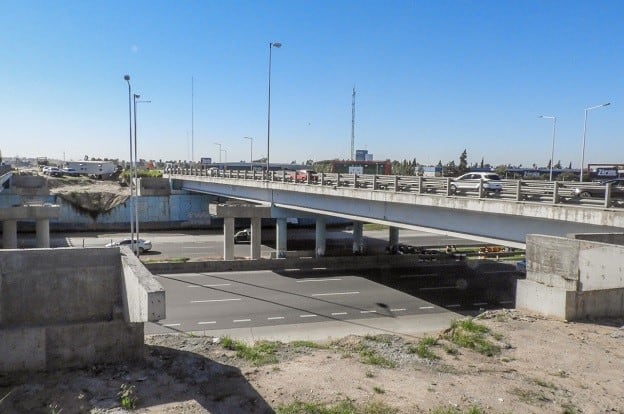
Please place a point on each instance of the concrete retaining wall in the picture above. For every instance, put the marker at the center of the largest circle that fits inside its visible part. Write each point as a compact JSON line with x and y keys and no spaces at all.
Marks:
{"x":62,"y":308}
{"x":573,"y":278}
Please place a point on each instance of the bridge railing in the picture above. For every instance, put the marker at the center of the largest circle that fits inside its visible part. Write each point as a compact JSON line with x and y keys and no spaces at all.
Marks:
{"x":553,"y":192}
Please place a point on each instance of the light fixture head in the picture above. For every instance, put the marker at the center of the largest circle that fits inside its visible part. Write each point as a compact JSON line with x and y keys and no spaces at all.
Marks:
{"x":276,"y":44}
{"x":127,"y":77}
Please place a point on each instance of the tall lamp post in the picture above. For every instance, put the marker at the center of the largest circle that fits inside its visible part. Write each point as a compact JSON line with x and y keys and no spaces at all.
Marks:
{"x":127,"y":79}
{"x":271,"y":46}
{"x":552,"y":150}
{"x":135,"y":175}
{"x":250,"y":152}
{"x":585,"y":134}
{"x":219,"y":145}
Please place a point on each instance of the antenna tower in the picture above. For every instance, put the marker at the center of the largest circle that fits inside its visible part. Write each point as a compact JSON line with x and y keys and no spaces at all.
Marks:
{"x":353,"y":125}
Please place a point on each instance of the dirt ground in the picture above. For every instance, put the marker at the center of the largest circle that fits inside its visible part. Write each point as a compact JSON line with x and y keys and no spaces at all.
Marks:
{"x":544,"y":366}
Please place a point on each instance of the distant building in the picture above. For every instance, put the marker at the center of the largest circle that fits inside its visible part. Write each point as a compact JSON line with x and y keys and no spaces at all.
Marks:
{"x":432,"y":171}
{"x":361,"y":167}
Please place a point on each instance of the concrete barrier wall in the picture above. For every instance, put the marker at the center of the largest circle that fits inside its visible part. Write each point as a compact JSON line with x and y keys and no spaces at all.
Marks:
{"x":63,"y":308}
{"x":573,"y":278}
{"x":611,"y":238}
{"x":29,"y":185}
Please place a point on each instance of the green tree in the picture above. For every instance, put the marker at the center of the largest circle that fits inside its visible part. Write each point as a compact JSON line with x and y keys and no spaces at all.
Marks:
{"x":463,"y":163}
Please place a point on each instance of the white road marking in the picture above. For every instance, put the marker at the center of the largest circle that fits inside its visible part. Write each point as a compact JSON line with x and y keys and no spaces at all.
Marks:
{"x":455,"y":305}
{"x":308,"y":316}
{"x":368,"y":311}
{"x":426,"y":307}
{"x":215,"y":300}
{"x":439,"y":288}
{"x":339,"y":313}
{"x":274,"y":318}
{"x":319,"y":268}
{"x":172,"y":324}
{"x":291,"y":270}
{"x":479,"y":303}
{"x":317,"y":280}
{"x":335,"y":293}
{"x":206,"y":323}
{"x":216,"y":285}
{"x":400,"y":309}
{"x":241,"y":320}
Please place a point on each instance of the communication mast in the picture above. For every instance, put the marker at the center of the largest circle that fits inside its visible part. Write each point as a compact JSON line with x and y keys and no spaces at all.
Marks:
{"x":353,"y":125}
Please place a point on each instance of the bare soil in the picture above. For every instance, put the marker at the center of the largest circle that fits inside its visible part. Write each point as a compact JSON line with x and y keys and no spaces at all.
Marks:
{"x":544,"y":366}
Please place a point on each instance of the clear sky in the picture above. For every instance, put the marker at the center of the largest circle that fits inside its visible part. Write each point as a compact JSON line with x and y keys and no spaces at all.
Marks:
{"x":432,"y":78}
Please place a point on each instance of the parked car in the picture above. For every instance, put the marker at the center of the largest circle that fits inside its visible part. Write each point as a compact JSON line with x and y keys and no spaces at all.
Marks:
{"x":471,"y":181}
{"x":144,"y":245}
{"x":301,"y":176}
{"x":521,"y":266}
{"x":51,"y":171}
{"x":598,"y":190}
{"x":243,"y":236}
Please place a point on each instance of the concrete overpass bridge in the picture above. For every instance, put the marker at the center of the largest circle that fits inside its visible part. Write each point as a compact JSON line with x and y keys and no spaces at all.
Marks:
{"x":523,"y":207}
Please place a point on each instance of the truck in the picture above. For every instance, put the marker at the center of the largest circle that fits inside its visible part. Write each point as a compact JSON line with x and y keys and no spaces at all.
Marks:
{"x":95,"y":169}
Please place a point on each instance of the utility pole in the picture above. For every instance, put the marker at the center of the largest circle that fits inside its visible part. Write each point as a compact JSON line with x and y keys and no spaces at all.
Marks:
{"x":353,"y":125}
{"x":192,"y":120}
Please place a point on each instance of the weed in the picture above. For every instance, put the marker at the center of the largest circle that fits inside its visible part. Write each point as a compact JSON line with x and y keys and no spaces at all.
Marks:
{"x":127,"y":396}
{"x":569,"y":408}
{"x":307,"y":344}
{"x":469,"y":334}
{"x":451,"y":350}
{"x":545,"y":384}
{"x":530,"y":396}
{"x":369,"y":356}
{"x":262,"y":353}
{"x":369,"y":374}
{"x":422,"y":349}
{"x":379,"y":390}
{"x":452,"y":410}
{"x":384,"y":339}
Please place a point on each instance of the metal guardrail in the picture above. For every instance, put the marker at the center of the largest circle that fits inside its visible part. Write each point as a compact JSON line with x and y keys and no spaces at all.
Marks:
{"x":552,"y":192}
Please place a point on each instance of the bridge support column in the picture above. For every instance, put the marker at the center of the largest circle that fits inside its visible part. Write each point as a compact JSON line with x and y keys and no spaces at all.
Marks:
{"x":43,"y":233}
{"x":321,"y":236}
{"x":393,"y":239}
{"x":358,"y":243}
{"x":256,"y":237}
{"x":281,"y":234}
{"x":9,"y":234}
{"x":228,"y":238}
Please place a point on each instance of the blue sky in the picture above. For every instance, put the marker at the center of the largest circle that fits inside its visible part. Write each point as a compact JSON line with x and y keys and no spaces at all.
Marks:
{"x":432,"y":77}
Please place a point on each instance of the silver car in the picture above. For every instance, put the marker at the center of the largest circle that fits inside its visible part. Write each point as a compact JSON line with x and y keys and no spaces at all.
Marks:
{"x":144,"y":245}
{"x":471,"y":182}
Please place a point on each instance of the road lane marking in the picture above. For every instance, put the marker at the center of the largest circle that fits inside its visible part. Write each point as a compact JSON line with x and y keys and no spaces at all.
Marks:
{"x":206,"y":323}
{"x":274,"y":318}
{"x":291,"y":270}
{"x":319,"y":268}
{"x":439,"y":288}
{"x":317,"y":280}
{"x":455,"y":305}
{"x":400,"y":309}
{"x":335,"y":293}
{"x":308,"y":316}
{"x":215,"y":285}
{"x":339,"y":313}
{"x":241,"y":320}
{"x":479,"y":303}
{"x":368,"y":311}
{"x":426,"y":307}
{"x":172,"y":324}
{"x":215,"y":300}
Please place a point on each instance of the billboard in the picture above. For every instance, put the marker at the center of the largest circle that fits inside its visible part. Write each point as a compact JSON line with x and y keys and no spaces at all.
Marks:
{"x":206,"y":160}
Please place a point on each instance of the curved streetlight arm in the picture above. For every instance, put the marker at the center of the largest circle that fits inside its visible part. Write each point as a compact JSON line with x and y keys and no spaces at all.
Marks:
{"x":585,"y":134}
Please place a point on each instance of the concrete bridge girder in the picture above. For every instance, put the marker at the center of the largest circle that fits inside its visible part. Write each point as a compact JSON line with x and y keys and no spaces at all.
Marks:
{"x":504,"y":222}
{"x":40,"y":214}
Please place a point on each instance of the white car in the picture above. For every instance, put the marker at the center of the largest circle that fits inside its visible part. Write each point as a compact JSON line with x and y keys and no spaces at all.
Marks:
{"x":471,"y":182}
{"x":69,"y":171}
{"x":51,"y":171}
{"x":144,"y":245}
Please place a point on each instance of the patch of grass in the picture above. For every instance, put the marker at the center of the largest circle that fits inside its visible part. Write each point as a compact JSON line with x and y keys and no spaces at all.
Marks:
{"x":383,"y":339}
{"x":261,"y":353}
{"x":379,"y":390}
{"x":545,"y":384}
{"x":569,"y":408}
{"x":343,"y":407}
{"x":452,"y":410}
{"x":422,"y":348}
{"x":307,"y":344}
{"x":369,"y":374}
{"x":468,"y":334}
{"x":370,"y":357}
{"x":530,"y":396}
{"x":373,"y":226}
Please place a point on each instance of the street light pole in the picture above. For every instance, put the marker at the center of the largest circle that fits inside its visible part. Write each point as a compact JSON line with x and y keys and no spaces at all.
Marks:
{"x":250,"y":152}
{"x":552,"y":150}
{"x":219,"y":145}
{"x":136,"y":182}
{"x":585,"y":133}
{"x":271,"y":46}
{"x":127,"y":79}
